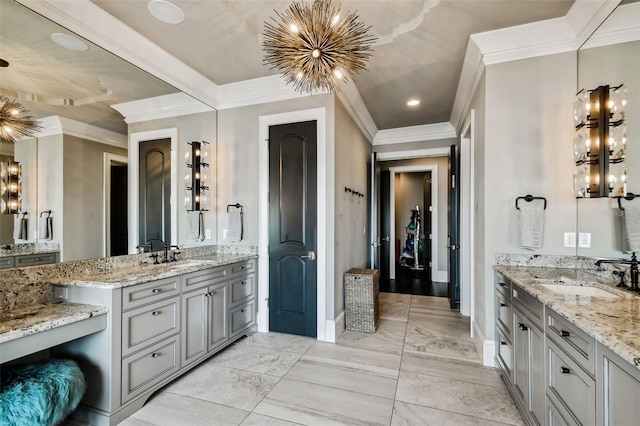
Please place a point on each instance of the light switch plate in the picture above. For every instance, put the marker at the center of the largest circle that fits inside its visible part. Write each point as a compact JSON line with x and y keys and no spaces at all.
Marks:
{"x":569,"y":239}
{"x":207,"y":234}
{"x":584,"y":240}
{"x":225,"y":234}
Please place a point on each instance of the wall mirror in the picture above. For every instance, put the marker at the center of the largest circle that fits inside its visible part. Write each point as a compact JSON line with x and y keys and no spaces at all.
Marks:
{"x":611,"y":56}
{"x":70,"y":83}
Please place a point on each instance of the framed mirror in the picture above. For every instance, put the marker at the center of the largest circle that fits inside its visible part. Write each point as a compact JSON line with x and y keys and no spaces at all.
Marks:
{"x":611,"y":56}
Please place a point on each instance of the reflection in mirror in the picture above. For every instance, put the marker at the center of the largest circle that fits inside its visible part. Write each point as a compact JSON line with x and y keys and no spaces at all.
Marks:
{"x":611,"y":56}
{"x":70,"y":89}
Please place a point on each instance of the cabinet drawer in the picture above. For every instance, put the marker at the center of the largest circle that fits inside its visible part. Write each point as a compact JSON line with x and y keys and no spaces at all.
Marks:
{"x":6,"y":262}
{"x":575,"y":342}
{"x":529,"y":305}
{"x":141,"y":294}
{"x":240,"y":268}
{"x":149,"y":324}
{"x":204,"y":278}
{"x":35,"y":259}
{"x":143,"y":370}
{"x":503,"y":286}
{"x":242,"y":289}
{"x":570,"y":386}
{"x":504,"y":355}
{"x":241,"y":318}
{"x":503,"y":313}
{"x":554,"y":417}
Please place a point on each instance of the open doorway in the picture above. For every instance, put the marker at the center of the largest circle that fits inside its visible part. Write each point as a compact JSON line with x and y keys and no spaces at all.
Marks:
{"x":115,"y":184}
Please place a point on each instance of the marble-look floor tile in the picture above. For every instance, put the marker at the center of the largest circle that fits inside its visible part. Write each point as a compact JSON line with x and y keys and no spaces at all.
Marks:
{"x":177,"y":410}
{"x":347,"y":354}
{"x":450,"y":369}
{"x":312,"y":404}
{"x":349,"y":376}
{"x":257,"y":359}
{"x":487,"y":402}
{"x":435,"y":305}
{"x":388,"y":337}
{"x":254,"y":419}
{"x":227,"y":386}
{"x":410,"y":415}
{"x":278,"y":341}
{"x":421,"y":323}
{"x":394,"y":306}
{"x":442,"y":345}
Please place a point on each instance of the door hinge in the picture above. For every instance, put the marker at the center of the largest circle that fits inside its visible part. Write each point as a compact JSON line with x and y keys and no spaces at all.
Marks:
{"x":267,"y":300}
{"x":430,"y":236}
{"x":453,"y":181}
{"x":430,"y":208}
{"x":268,"y":250}
{"x":430,"y":265}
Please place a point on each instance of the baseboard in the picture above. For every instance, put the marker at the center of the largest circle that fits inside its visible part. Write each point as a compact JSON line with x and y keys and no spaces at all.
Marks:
{"x":442,"y":276}
{"x":334,"y":328}
{"x":485,"y":347}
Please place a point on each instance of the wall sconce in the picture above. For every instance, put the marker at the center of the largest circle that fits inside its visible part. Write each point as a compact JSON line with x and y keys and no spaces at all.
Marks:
{"x":600,"y":142}
{"x":196,"y":198}
{"x":10,"y":187}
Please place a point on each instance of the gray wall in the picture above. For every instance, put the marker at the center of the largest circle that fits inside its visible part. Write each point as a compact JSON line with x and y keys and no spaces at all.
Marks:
{"x":527,"y":150}
{"x":50,"y":160}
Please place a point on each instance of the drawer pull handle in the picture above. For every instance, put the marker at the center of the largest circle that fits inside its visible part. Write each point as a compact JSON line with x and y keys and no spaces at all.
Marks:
{"x":502,"y":305}
{"x":243,"y":282}
{"x":155,"y":355}
{"x":243,"y":267}
{"x":502,"y":284}
{"x":242,"y":310}
{"x":565,"y":370}
{"x":503,"y":343}
{"x":523,"y":327}
{"x":564,"y":333}
{"x":155,"y":313}
{"x":156,"y":290}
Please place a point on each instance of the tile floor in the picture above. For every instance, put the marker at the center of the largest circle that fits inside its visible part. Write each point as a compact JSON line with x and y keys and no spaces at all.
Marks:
{"x":419,"y":368}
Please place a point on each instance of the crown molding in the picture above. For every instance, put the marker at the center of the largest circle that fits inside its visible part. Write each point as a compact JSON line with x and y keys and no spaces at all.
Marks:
{"x":352,"y":101}
{"x":622,"y":26}
{"x":256,"y":91}
{"x":94,"y":24}
{"x":165,"y":106}
{"x":425,"y":132}
{"x":58,"y":125}
{"x":413,"y":153}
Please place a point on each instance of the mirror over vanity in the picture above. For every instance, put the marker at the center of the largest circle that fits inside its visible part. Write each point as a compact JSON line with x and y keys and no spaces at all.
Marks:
{"x":611,"y":57}
{"x":80,"y":162}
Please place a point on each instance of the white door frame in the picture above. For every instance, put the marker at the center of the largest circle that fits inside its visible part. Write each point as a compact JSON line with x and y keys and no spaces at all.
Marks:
{"x":325,"y":225}
{"x":108,"y":158}
{"x":134,"y":187}
{"x":467,"y":229}
{"x":433,"y":168}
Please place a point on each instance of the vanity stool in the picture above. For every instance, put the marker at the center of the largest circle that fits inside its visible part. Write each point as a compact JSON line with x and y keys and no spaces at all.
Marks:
{"x":41,"y":393}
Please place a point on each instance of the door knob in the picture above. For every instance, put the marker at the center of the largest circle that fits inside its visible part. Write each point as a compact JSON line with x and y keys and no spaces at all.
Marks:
{"x":311,"y":255}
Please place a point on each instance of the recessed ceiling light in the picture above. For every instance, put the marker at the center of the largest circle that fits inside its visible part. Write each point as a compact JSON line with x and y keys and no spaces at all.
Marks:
{"x":413,"y":102}
{"x":166,"y":12}
{"x":69,"y":42}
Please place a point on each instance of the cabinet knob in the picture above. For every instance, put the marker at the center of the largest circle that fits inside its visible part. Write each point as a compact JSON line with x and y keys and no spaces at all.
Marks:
{"x":565,"y":370}
{"x":523,"y":327}
{"x":156,"y":290}
{"x":155,"y":313}
{"x":243,"y":282}
{"x":564,"y":333}
{"x":502,"y":305}
{"x":155,"y":355}
{"x":242,"y":310}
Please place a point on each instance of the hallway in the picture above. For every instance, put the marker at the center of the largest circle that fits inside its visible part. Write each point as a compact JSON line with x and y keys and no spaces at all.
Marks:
{"x":419,"y":368}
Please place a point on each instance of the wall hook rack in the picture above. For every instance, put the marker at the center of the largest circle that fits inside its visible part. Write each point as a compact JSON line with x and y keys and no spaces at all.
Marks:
{"x":353,"y":192}
{"x":529,"y":198}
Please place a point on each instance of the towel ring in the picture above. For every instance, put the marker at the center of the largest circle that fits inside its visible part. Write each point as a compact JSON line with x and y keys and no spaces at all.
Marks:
{"x":47,"y":212}
{"x":529,"y":198}
{"x":236,"y":205}
{"x":630,"y":196}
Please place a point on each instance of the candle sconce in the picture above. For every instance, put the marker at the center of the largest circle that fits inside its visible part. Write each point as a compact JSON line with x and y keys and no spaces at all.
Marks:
{"x":10,"y":187}
{"x":197,"y":176}
{"x":600,"y":142}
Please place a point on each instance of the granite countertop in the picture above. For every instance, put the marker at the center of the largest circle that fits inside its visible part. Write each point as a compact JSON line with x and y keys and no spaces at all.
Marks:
{"x":27,"y":252}
{"x":133,"y":275}
{"x":614,"y":322}
{"x":40,"y":317}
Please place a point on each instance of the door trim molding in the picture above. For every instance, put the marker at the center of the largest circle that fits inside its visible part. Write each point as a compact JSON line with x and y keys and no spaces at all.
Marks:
{"x":325,"y":198}
{"x":134,"y":190}
{"x":436,"y":274}
{"x":467,"y":228}
{"x":108,"y":158}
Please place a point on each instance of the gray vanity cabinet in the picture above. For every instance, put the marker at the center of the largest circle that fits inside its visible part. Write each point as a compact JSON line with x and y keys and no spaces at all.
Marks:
{"x":24,"y":260}
{"x":617,"y":391}
{"x":504,"y":323}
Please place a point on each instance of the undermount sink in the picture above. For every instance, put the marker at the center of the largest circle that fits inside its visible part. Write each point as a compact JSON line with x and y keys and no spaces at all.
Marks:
{"x":586,"y":291}
{"x":182,"y":264}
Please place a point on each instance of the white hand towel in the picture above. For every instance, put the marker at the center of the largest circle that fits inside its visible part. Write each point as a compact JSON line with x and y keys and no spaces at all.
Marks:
{"x":531,"y":224}
{"x":45,"y":228}
{"x":235,"y":224}
{"x":20,"y":228}
{"x":194,"y":223}
{"x":632,"y":227}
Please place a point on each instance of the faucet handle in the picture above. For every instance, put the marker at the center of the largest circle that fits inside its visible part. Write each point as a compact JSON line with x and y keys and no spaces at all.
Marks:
{"x":174,"y":256}
{"x":154,"y":256}
{"x":621,"y":283}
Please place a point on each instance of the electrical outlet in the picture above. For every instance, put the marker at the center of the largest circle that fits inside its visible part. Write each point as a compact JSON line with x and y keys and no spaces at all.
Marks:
{"x":225,"y":234}
{"x":569,"y":239}
{"x":207,"y":234}
{"x":60,"y":292}
{"x":584,"y":240}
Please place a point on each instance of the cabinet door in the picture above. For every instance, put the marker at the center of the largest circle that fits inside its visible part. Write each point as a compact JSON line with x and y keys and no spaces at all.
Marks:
{"x":521,"y":356}
{"x":195,"y":307}
{"x":618,"y":390}
{"x":536,"y":375}
{"x":218,"y":330}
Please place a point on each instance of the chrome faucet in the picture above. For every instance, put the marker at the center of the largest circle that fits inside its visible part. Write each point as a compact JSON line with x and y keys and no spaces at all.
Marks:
{"x":633,"y":263}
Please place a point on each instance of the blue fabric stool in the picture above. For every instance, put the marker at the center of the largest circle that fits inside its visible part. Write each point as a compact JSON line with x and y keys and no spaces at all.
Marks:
{"x":40,"y":393}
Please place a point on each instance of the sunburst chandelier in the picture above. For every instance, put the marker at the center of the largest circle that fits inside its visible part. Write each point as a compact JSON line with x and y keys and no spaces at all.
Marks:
{"x":315,"y":46}
{"x":15,"y":123}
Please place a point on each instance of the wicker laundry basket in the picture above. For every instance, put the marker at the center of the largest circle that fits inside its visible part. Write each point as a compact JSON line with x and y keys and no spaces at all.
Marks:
{"x":361,"y":304}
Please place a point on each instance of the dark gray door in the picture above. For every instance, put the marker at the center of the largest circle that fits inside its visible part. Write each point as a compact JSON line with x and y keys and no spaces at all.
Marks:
{"x":118,"y":226}
{"x":426,"y":226}
{"x":453,"y":241}
{"x":385,"y":224}
{"x":155,"y":190}
{"x":292,"y":228}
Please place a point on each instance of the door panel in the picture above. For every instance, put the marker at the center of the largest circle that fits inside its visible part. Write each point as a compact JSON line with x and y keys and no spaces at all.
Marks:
{"x":292,"y":228}
{"x":453,"y":243}
{"x":426,"y":225}
{"x":155,"y":190}
{"x":385,"y":225}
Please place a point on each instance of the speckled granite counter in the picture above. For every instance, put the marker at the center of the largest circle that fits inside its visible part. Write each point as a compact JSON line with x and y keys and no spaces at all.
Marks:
{"x":133,"y":275}
{"x":614,"y":322}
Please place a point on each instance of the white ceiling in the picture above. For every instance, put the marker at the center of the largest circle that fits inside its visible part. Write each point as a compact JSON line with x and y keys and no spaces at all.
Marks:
{"x":420,"y":52}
